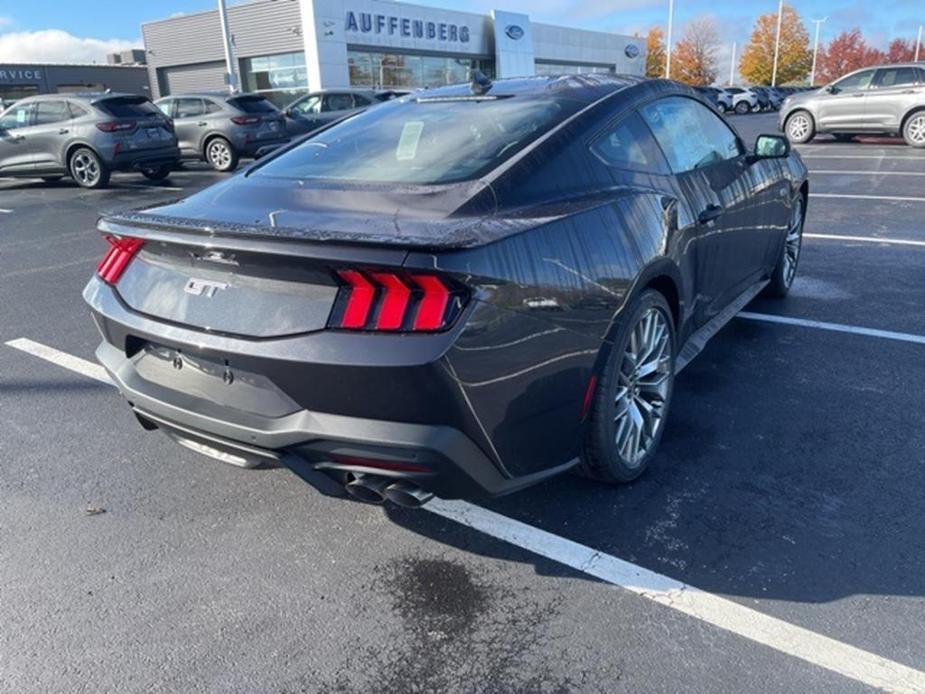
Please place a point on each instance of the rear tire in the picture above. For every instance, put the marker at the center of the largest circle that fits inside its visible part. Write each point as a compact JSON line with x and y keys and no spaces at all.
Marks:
{"x":630,"y":405}
{"x":158,"y":173}
{"x":786,"y":268}
{"x":742,"y":108}
{"x":221,"y":154}
{"x":914,"y":130}
{"x":88,"y":170}
{"x":800,"y":127}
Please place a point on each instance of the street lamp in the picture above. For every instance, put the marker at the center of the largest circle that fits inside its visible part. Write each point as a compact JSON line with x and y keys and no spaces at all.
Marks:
{"x":231,"y":75}
{"x":812,"y":75}
{"x":780,"y":18}
{"x":668,"y":57}
{"x":918,"y":43}
{"x":732,"y":65}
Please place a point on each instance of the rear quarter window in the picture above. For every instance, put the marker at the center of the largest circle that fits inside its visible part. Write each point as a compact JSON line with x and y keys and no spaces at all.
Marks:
{"x":629,"y":145}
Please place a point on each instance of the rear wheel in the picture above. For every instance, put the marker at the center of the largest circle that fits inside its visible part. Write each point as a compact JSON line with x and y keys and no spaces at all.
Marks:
{"x":914,"y":130}
{"x":88,"y":170}
{"x":221,"y":155}
{"x":156,"y":173}
{"x":742,"y":108}
{"x":800,"y":127}
{"x":786,"y":268}
{"x":630,"y":405}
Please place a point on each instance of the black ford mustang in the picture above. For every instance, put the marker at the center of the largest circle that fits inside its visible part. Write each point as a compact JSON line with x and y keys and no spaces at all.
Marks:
{"x":460,"y":292}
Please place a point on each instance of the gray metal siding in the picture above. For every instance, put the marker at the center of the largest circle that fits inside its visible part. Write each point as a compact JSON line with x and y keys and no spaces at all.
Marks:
{"x":182,"y":79}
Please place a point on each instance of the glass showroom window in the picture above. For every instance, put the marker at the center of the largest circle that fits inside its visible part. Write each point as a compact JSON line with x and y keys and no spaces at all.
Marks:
{"x":398,"y":70}
{"x":280,"y":78}
{"x":563,"y":69}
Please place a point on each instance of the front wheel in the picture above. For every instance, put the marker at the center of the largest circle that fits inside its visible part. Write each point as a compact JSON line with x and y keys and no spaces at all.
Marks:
{"x":742,"y":108}
{"x":786,"y":269}
{"x":914,"y":130}
{"x":221,"y":155}
{"x":800,"y":127}
{"x":631,"y":402}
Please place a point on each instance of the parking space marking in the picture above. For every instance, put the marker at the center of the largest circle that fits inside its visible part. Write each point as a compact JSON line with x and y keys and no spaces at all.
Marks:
{"x":830,"y":172}
{"x":3,"y":211}
{"x":833,"y":327}
{"x":810,"y":155}
{"x":790,"y":639}
{"x":888,"y":198}
{"x":809,"y":646}
{"x":866,"y":239}
{"x":142,"y":186}
{"x":63,"y":359}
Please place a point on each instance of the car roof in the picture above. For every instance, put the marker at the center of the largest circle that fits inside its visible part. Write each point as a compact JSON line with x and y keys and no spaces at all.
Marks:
{"x":586,"y":88}
{"x":86,"y":97}
{"x":221,"y":96}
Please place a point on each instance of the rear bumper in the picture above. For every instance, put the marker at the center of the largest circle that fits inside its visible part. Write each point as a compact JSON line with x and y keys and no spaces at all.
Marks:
{"x":439,"y":455}
{"x":138,"y":159}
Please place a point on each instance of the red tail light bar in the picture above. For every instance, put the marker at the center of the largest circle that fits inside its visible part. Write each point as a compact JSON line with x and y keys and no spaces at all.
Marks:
{"x":395,"y":302}
{"x":115,"y":126}
{"x":245,"y":120}
{"x":120,"y":253}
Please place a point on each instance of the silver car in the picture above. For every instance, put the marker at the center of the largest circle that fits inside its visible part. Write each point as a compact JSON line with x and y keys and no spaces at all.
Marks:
{"x":86,"y":137}
{"x":316,"y":109}
{"x":222,"y":128}
{"x":885,"y":100}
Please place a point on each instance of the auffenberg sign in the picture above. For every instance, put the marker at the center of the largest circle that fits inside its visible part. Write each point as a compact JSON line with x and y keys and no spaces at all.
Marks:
{"x":20,"y":75}
{"x":390,"y":25}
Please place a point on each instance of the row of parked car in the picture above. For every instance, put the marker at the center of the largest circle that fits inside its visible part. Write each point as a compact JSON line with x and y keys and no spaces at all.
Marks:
{"x":89,"y":136}
{"x":742,"y":100}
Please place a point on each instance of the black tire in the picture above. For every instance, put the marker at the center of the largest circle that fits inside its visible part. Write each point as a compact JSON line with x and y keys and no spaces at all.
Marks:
{"x":742,"y":108}
{"x":601,"y":459}
{"x":783,"y":274}
{"x":52,"y":179}
{"x":87,"y":169}
{"x":914,"y":129}
{"x":156,"y":173}
{"x":221,"y":155}
{"x":800,"y":127}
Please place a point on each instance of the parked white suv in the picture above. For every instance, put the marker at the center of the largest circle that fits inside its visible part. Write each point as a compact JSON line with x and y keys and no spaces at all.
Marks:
{"x":743,"y":100}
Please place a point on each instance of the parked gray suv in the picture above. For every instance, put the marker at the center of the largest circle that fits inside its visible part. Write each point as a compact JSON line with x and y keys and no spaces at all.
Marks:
{"x":316,"y":109}
{"x":222,"y":128}
{"x":87,"y":137}
{"x":888,"y":100}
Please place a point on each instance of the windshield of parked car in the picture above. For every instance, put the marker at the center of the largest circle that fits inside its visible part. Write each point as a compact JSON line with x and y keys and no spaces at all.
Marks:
{"x":423,"y":140}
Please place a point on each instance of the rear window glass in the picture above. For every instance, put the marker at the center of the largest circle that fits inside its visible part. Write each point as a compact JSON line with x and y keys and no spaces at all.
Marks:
{"x":253,"y":104}
{"x":128,"y":107}
{"x":427,"y":141}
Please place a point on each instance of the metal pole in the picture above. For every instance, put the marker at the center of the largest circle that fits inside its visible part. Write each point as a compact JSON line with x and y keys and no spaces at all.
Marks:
{"x":780,"y":19}
{"x":918,"y":43}
{"x":231,"y":75}
{"x":670,"y":22}
{"x":732,"y":66}
{"x":812,"y":75}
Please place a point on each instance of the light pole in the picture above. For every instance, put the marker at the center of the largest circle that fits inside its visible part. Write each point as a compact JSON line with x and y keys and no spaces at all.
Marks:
{"x":780,"y":19}
{"x":812,"y":75}
{"x":918,"y":43}
{"x":668,"y":55}
{"x":732,"y":65}
{"x":231,"y":75}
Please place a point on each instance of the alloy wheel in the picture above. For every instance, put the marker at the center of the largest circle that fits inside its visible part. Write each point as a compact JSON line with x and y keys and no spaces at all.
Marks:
{"x":86,"y":169}
{"x":798,"y":127}
{"x":916,"y":129}
{"x":219,"y":154}
{"x":643,"y":387}
{"x":793,"y":243}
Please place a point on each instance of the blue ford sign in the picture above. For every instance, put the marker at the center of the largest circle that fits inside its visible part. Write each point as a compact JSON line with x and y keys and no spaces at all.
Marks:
{"x":514,"y":32}
{"x":631,"y":51}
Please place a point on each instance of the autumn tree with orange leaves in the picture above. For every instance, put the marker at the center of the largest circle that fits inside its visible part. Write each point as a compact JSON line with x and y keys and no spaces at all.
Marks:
{"x":655,"y":53}
{"x":794,"y":59}
{"x":694,"y":58}
{"x":845,"y":53}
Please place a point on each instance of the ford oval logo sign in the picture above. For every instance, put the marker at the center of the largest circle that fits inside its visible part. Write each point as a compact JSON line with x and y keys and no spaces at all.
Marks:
{"x":631,"y":51}
{"x":514,"y":32}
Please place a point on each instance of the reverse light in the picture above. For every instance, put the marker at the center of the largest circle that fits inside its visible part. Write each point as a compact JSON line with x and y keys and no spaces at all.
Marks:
{"x":120,"y":254}
{"x":395,"y":302}
{"x":115,"y":126}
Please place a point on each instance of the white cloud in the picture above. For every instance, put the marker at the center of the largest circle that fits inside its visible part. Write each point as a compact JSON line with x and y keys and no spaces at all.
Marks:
{"x":56,"y":46}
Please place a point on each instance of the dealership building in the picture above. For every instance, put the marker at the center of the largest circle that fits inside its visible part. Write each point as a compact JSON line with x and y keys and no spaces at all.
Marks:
{"x":285,"y":47}
{"x":19,"y":80}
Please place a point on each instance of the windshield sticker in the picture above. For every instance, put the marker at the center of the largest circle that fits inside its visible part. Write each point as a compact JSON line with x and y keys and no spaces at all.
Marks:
{"x":410,"y":137}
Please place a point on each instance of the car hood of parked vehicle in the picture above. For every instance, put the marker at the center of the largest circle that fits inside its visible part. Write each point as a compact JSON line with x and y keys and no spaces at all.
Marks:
{"x":459,"y":215}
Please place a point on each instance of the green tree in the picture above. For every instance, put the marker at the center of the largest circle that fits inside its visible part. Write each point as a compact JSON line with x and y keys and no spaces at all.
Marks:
{"x":795,"y":59}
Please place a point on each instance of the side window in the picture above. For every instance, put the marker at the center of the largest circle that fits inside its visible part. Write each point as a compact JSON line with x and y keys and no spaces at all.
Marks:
{"x":310,"y":105}
{"x":896,"y":77}
{"x":48,"y":112}
{"x":360,"y":100}
{"x":189,"y":108}
{"x":857,"y":82}
{"x":629,"y":145}
{"x":337,"y":102}
{"x":212,"y":107}
{"x":76,"y":110}
{"x":165,"y":106}
{"x":17,"y":117}
{"x":690,"y":134}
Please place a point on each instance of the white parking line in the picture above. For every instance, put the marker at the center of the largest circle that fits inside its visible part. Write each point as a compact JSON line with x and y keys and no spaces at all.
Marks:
{"x":890,"y":198}
{"x":842,"y":658}
{"x":829,"y":172}
{"x":834,"y":327}
{"x":142,"y":186}
{"x":810,"y":155}
{"x":809,"y":646}
{"x":866,"y":239}
{"x":3,"y":211}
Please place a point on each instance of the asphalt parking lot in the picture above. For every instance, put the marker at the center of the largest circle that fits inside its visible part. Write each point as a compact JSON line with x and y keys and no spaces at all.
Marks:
{"x":777,"y":545}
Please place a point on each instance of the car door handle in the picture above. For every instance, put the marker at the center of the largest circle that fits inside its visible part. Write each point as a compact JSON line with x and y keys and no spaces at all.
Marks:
{"x":857,"y":96}
{"x":63,"y":131}
{"x":202,"y":123}
{"x":710,"y":214}
{"x":909,"y":91}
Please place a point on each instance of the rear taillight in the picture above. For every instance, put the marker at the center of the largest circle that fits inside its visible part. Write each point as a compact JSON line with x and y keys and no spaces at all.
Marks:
{"x":120,"y":253}
{"x":395,"y":302}
{"x":115,"y":126}
{"x":245,"y":120}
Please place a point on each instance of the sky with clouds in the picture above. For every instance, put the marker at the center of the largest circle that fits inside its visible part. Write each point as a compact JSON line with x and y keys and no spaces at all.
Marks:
{"x":85,"y":30}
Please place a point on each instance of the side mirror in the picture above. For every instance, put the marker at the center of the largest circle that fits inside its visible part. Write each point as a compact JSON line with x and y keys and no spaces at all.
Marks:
{"x":292,"y":112}
{"x":772,"y":147}
{"x":832,"y":89}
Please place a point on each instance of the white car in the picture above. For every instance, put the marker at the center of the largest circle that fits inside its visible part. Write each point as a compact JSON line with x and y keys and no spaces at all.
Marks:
{"x":743,"y":100}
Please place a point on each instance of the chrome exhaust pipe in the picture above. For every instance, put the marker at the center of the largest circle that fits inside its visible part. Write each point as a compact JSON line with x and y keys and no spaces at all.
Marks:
{"x":407,"y":495}
{"x":368,"y":488}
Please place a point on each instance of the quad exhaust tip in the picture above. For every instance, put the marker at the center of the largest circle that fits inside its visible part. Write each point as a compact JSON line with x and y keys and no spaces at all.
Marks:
{"x":372,"y":489}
